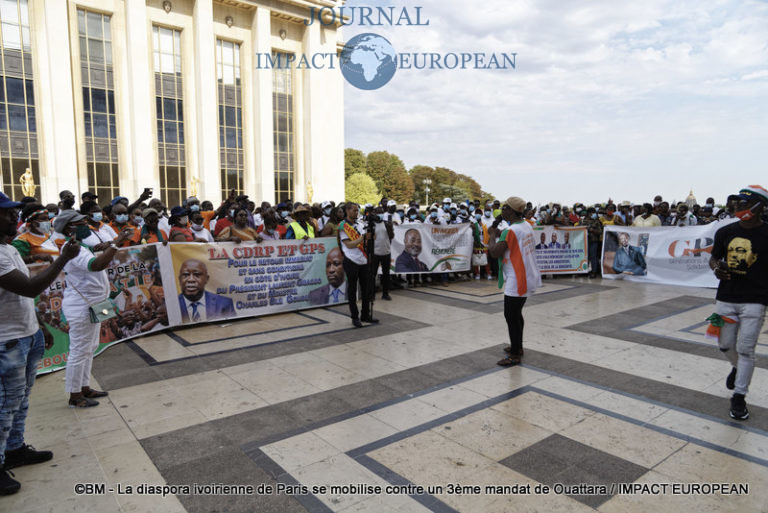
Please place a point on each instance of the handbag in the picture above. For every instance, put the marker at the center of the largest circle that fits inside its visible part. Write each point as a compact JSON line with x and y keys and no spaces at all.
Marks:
{"x":101,"y":311}
{"x":479,"y":259}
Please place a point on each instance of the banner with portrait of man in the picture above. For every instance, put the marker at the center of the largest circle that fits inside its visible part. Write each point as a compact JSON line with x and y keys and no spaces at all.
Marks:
{"x":674,"y":255}
{"x":431,"y":248}
{"x":561,"y":249}
{"x":212,"y":282}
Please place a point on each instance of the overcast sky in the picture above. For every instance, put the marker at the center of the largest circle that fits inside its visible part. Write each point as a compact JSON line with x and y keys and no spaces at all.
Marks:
{"x":609,"y":99}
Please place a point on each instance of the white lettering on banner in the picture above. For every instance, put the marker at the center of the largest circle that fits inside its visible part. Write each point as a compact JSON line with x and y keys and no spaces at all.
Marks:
{"x":672,"y":255}
{"x":427,"y":248}
{"x":561,"y":249}
{"x":156,"y":287}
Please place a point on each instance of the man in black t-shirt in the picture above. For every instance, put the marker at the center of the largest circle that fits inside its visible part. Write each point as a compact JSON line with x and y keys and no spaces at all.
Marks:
{"x":740,"y":261}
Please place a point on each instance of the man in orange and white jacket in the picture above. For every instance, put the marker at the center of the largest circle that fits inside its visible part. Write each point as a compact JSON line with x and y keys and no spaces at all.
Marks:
{"x":515,"y":246}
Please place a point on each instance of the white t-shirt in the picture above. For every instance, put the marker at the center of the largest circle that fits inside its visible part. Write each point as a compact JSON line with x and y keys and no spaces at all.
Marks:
{"x":354,"y":254}
{"x":18,"y":319}
{"x":93,"y":285}
{"x":202,"y":234}
{"x":521,"y":274}
{"x":382,"y":244}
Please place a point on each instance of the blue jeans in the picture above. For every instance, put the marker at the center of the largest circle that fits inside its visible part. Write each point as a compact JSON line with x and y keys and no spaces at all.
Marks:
{"x":18,"y":368}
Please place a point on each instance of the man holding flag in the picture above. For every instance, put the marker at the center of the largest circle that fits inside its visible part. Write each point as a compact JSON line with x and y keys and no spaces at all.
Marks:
{"x":515,"y":249}
{"x":352,"y":241}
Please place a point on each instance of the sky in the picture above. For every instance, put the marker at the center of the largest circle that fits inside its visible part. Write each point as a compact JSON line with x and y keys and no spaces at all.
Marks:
{"x":620,"y":100}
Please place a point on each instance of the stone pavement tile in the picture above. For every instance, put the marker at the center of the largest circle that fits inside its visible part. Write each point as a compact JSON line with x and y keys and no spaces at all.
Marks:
{"x":409,"y":381}
{"x":125,"y":378}
{"x":228,"y":466}
{"x":318,"y":407}
{"x":355,"y":432}
{"x":366,"y":393}
{"x":74,"y":504}
{"x":299,"y":451}
{"x":543,"y":411}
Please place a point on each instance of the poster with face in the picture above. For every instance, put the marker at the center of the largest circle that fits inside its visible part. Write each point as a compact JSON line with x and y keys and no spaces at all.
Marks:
{"x":428,"y":248}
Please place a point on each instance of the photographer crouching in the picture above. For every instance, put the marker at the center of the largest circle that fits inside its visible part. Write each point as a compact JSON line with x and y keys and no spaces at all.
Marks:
{"x":355,"y":242}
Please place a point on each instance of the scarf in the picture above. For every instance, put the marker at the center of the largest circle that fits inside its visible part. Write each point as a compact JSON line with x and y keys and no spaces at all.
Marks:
{"x":353,"y":234}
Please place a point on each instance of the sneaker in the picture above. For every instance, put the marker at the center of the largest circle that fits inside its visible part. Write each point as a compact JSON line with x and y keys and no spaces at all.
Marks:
{"x":8,"y":485}
{"x":25,"y":455}
{"x":739,"y":407}
{"x":477,"y":276}
{"x":730,"y":381}
{"x":386,"y":297}
{"x":489,"y":277}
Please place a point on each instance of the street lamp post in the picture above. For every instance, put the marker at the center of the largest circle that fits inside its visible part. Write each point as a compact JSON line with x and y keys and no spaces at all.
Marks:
{"x":427,"y":183}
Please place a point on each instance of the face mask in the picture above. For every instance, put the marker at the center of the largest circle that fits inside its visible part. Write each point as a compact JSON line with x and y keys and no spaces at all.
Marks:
{"x":82,"y":232}
{"x":381,"y":217}
{"x":197,"y":227}
{"x":412,"y":216}
{"x":44,"y":226}
{"x":433,"y":215}
{"x":453,"y":211}
{"x":400,"y":213}
{"x":184,"y":220}
{"x":138,"y":220}
{"x":594,"y":216}
{"x":195,"y":208}
{"x":231,"y":213}
{"x":284,"y":213}
{"x":709,"y":205}
{"x":121,"y":218}
{"x":746,"y":214}
{"x":446,"y":206}
{"x":478,"y":217}
{"x":98,"y":216}
{"x":51,"y":215}
{"x":487,"y":213}
{"x":327,"y":211}
{"x":656,"y":203}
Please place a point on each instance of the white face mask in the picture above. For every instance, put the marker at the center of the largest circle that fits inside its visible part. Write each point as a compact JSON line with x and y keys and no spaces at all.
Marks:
{"x":44,"y":227}
{"x":197,"y":227}
{"x":184,"y":220}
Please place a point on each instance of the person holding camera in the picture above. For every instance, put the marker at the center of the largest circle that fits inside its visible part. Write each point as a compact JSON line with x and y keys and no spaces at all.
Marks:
{"x":354,"y":240}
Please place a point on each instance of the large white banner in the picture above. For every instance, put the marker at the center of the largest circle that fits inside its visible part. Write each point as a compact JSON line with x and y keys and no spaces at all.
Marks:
{"x":672,"y":255}
{"x":431,"y":248}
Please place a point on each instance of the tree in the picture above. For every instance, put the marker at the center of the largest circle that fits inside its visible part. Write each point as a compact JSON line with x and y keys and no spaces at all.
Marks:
{"x":354,"y":162}
{"x":388,"y":171}
{"x":360,"y":188}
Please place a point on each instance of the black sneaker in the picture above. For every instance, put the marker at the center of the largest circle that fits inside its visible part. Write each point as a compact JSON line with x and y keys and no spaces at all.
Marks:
{"x":8,"y":485}
{"x":739,"y":407}
{"x":386,"y":297}
{"x":25,"y":455}
{"x":730,"y":381}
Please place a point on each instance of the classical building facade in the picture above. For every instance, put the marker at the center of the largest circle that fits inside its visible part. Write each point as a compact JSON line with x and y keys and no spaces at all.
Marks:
{"x":113,"y":96}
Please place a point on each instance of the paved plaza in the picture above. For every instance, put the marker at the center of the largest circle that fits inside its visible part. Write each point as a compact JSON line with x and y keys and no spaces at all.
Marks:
{"x":618,"y":386}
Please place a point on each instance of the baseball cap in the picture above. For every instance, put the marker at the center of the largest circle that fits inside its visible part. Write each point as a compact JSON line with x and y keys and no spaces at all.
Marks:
{"x":515,"y":203}
{"x":88,"y":194}
{"x":116,"y":199}
{"x":325,"y":204}
{"x":391,"y":203}
{"x":446,"y":200}
{"x":5,"y":202}
{"x":149,"y":210}
{"x":64,"y":218}
{"x":754,"y":191}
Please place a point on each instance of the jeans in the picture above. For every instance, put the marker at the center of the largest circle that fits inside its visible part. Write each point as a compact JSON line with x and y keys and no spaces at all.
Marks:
{"x":385,"y":261}
{"x":18,"y":369}
{"x":355,"y":273}
{"x":513,"y":313}
{"x":737,"y":341}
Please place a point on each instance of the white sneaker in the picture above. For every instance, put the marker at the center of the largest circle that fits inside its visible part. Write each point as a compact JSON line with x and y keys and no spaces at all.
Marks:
{"x":490,"y":277}
{"x":477,"y":276}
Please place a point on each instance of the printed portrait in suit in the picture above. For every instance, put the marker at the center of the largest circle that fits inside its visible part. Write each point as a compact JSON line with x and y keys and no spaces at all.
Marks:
{"x":335,"y":291}
{"x":196,"y":303}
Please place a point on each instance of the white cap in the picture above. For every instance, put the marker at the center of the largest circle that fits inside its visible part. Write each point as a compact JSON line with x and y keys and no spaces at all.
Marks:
{"x":446,"y":200}
{"x":462,"y":205}
{"x":391,"y":203}
{"x":453,"y":205}
{"x":325,"y":204}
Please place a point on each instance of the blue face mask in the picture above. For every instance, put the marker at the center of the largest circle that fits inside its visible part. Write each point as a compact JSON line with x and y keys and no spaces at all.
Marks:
{"x":327,"y":211}
{"x":51,"y":215}
{"x":594,"y":216}
{"x":412,"y":216}
{"x":400,"y":213}
{"x":82,"y":232}
{"x":44,"y":226}
{"x":487,"y":213}
{"x":453,"y":211}
{"x":194,"y":208}
{"x":284,"y":213}
{"x":478,"y":217}
{"x":433,"y":215}
{"x":121,"y":218}
{"x":381,"y":217}
{"x":98,"y":216}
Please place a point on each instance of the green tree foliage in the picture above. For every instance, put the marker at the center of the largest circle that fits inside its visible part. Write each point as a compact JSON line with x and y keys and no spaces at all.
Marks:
{"x":354,"y":162}
{"x":388,"y":171}
{"x":360,"y":188}
{"x":446,"y":183}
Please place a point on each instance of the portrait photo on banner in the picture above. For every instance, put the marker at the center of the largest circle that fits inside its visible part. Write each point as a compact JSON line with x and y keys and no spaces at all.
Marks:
{"x":624,"y":252}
